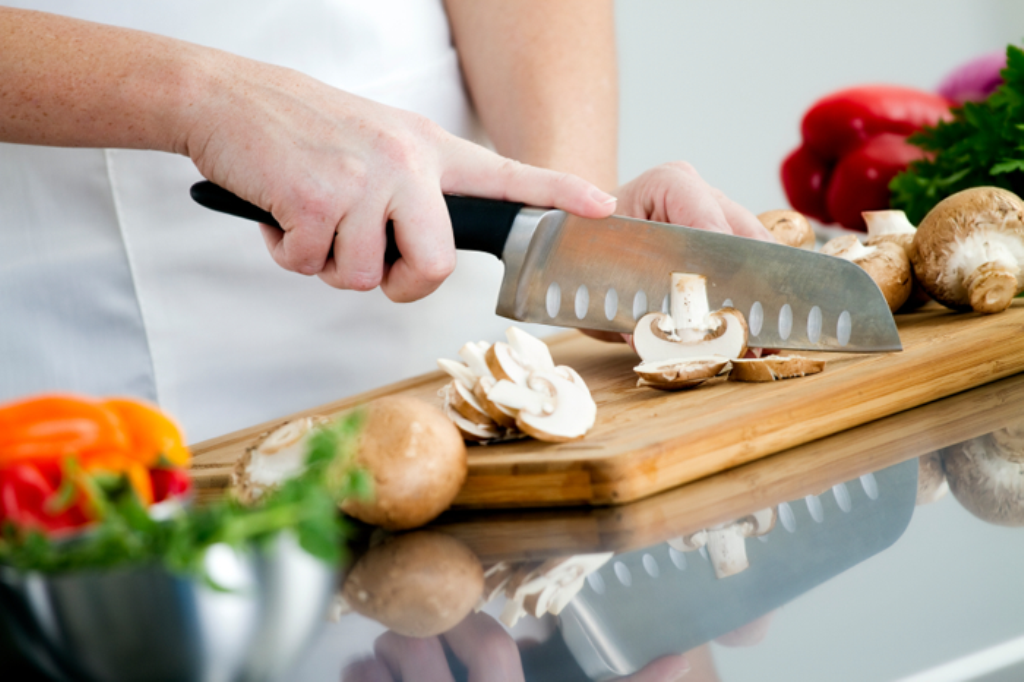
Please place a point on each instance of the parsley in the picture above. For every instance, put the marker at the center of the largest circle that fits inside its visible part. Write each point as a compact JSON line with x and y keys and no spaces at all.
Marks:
{"x":982,"y":145}
{"x":127,"y":534}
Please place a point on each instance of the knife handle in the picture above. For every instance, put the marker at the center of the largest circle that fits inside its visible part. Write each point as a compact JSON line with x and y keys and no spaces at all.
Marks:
{"x":477,"y":224}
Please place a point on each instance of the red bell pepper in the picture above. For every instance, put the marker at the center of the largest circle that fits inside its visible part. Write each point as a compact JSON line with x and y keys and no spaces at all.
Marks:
{"x":853,"y":146}
{"x":28,"y":495}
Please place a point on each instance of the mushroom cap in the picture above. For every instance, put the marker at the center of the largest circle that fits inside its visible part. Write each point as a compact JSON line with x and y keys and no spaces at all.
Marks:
{"x":574,"y":410}
{"x":987,"y":485}
{"x":418,"y":584}
{"x":962,"y":233}
{"x":789,"y":228}
{"x":677,"y":374}
{"x":884,"y":261}
{"x":417,"y":459}
{"x":931,"y":479}
{"x":276,"y":457}
{"x":1009,"y":442}
{"x":774,"y":367}
{"x":726,"y":336}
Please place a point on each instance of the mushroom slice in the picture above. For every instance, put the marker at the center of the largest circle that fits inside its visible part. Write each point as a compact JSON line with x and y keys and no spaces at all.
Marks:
{"x":496,"y":577}
{"x":689,"y":543}
{"x":465,"y":402}
{"x":690,"y":329}
{"x":970,"y":248}
{"x":506,"y":364}
{"x":571,"y":414}
{"x":474,"y":357}
{"x":550,"y":586}
{"x":673,"y":375}
{"x":774,"y":367}
{"x":790,"y":228}
{"x":458,"y":371}
{"x":502,"y":415}
{"x":280,"y":455}
{"x":885,"y":262}
{"x":470,"y":430}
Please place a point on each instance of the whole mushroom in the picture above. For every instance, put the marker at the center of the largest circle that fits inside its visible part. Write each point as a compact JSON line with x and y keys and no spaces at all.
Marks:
{"x":790,"y":228}
{"x":969,"y":249}
{"x":987,"y":479}
{"x":884,"y":261}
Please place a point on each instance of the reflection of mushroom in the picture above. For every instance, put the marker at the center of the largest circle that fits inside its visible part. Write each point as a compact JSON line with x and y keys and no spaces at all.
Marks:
{"x":789,"y":228}
{"x":673,"y":375}
{"x":726,"y":542}
{"x":419,"y":585}
{"x":969,"y":250}
{"x":690,"y":330}
{"x":774,"y":367}
{"x":987,"y":480}
{"x":885,"y":262}
{"x":417,"y":460}
{"x":548,"y":587}
{"x":931,"y":479}
{"x":276,"y":457}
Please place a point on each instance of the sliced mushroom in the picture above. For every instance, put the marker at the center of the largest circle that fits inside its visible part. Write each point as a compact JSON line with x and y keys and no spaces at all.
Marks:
{"x":466,"y":403}
{"x":790,"y":228}
{"x":548,"y":586}
{"x":533,"y":352}
{"x":727,"y":542}
{"x":970,"y":248}
{"x":674,"y":375}
{"x":458,"y":371}
{"x":496,"y":578}
{"x":278,"y":456}
{"x":885,"y":262}
{"x":691,"y":542}
{"x":774,"y":368}
{"x":472,"y":431}
{"x":502,"y":416}
{"x":690,"y":329}
{"x":550,"y":407}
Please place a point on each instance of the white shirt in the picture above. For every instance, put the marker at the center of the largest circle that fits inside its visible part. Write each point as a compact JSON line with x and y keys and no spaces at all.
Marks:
{"x":113,"y":282}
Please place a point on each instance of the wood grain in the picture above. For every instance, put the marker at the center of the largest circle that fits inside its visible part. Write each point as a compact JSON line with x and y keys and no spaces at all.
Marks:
{"x":647,"y":441}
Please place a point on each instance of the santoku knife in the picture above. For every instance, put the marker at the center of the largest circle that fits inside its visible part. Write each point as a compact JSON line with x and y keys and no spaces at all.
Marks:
{"x":604,"y":274}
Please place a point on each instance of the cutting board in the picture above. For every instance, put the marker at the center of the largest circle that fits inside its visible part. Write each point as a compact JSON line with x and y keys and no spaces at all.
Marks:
{"x":646,"y":441}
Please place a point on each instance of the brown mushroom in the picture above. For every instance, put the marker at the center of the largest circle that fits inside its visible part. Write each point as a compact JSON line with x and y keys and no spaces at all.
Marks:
{"x":790,"y":228}
{"x":417,"y":584}
{"x":276,"y":457}
{"x":894,"y":226}
{"x":774,"y":368}
{"x":417,"y":459}
{"x":987,"y":483}
{"x":674,"y":375}
{"x":931,"y":479}
{"x":969,"y":250}
{"x":885,"y":262}
{"x":690,"y":329}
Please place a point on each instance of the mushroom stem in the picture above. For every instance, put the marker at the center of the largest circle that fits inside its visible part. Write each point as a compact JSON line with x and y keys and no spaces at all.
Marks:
{"x":688,"y":301}
{"x":727,"y":549}
{"x":882,"y":223}
{"x":991,"y":287}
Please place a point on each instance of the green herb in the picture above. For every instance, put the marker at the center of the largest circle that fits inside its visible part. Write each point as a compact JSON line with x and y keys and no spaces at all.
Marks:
{"x":982,"y":145}
{"x":127,"y":535}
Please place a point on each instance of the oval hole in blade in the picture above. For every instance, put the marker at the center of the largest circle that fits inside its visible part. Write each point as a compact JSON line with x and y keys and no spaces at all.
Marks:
{"x":639,"y":305}
{"x":553,"y":301}
{"x":611,"y":304}
{"x":756,"y":318}
{"x":785,"y":321}
{"x":814,"y":325}
{"x":582,"y":301}
{"x":844,"y":328}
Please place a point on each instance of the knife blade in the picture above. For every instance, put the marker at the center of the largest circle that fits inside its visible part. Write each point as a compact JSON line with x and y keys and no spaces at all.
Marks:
{"x":604,"y":274}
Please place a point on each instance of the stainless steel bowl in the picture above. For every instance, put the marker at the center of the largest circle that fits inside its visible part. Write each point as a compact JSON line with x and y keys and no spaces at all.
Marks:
{"x":148,"y":624}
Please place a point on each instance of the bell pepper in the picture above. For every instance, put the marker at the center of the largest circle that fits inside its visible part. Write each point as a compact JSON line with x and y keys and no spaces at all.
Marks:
{"x":28,"y":496}
{"x":854,"y":143}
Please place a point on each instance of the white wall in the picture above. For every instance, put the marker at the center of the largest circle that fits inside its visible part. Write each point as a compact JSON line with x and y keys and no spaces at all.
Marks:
{"x":723,"y":83}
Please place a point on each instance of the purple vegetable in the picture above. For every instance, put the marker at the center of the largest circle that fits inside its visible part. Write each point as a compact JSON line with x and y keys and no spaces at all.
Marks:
{"x":975,"y":80}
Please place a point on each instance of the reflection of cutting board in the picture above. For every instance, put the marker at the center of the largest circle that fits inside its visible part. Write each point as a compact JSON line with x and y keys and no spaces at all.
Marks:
{"x":646,"y":441}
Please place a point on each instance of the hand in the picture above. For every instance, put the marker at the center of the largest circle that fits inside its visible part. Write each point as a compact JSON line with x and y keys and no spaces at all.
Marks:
{"x":485,"y":648}
{"x":675,"y":193}
{"x":333,"y":168}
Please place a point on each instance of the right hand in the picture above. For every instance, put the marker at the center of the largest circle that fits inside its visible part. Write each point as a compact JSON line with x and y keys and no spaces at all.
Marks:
{"x":333,"y":168}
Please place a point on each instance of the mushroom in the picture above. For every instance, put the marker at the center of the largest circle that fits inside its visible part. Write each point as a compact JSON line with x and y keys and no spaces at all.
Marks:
{"x":276,"y":457}
{"x":690,"y":330}
{"x":418,"y":584}
{"x":417,"y":459}
{"x":548,"y":586}
{"x":774,"y":367}
{"x":931,"y":479}
{"x":790,"y":228}
{"x":549,"y":407}
{"x":726,"y":542}
{"x":496,"y":577}
{"x":674,"y":375}
{"x":969,"y":250}
{"x":894,"y":226}
{"x":987,"y":480}
{"x":886,"y":263}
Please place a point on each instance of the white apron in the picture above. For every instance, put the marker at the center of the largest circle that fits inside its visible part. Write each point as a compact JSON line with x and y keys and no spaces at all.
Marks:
{"x":113,"y":281}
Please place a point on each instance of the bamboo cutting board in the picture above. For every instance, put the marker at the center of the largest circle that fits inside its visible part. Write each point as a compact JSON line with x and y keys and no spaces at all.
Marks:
{"x":646,"y":441}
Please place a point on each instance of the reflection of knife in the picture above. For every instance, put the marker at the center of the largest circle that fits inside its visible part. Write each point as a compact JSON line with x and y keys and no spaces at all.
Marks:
{"x":568,"y":271}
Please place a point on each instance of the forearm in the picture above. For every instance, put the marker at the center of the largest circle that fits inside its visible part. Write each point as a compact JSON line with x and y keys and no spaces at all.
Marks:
{"x":66,"y":82}
{"x":543,"y":78}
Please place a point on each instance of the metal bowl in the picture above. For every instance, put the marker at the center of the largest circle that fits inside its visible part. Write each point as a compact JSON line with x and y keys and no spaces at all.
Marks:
{"x":146,"y":623}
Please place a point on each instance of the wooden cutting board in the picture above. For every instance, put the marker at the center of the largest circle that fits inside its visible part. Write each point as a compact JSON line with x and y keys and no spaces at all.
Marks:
{"x":646,"y":441}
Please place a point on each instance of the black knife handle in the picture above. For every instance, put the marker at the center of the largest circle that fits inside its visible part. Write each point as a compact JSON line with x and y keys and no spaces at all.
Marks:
{"x":477,"y":224}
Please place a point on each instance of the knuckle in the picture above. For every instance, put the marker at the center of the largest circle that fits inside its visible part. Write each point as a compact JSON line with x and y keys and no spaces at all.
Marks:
{"x":399,"y":148}
{"x":680,"y":168}
{"x":438,"y":269}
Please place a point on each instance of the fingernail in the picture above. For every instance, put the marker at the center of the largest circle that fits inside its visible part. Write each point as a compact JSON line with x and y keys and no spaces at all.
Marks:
{"x":602,"y":198}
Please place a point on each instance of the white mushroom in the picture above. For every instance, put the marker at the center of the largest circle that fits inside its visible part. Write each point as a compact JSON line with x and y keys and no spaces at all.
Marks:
{"x":549,"y":407}
{"x":466,"y":403}
{"x":691,"y":542}
{"x":690,"y":329}
{"x":885,"y":262}
{"x":674,"y":375}
{"x":774,"y":368}
{"x":548,"y":586}
{"x":790,"y":228}
{"x":970,"y":248}
{"x":275,"y":458}
{"x":727,"y":542}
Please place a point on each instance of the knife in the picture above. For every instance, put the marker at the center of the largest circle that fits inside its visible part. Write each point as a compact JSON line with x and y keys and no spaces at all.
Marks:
{"x":604,"y":274}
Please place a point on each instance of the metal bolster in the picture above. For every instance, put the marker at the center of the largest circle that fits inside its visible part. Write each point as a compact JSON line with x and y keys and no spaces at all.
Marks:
{"x":517,"y":247}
